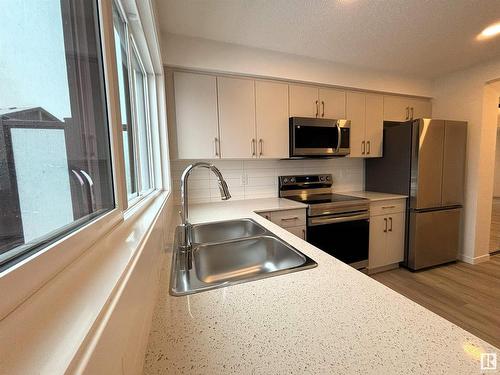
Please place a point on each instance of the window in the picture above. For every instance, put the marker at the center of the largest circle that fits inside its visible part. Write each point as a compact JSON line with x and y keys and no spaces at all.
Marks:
{"x":55,"y":161}
{"x":132,"y":82}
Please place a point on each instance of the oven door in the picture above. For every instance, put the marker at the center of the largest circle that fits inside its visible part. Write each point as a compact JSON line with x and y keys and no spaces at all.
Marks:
{"x":346,"y":237}
{"x":318,"y":137}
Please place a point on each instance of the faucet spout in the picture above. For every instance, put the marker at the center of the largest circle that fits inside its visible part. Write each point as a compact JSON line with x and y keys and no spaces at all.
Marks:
{"x":185,"y":244}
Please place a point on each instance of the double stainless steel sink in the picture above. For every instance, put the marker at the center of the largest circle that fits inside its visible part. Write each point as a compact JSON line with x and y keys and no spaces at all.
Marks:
{"x":231,"y":252}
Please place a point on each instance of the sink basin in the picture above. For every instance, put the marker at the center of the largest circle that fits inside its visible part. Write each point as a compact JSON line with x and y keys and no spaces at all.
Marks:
{"x":231,"y":252}
{"x":225,"y":230}
{"x":244,"y":259}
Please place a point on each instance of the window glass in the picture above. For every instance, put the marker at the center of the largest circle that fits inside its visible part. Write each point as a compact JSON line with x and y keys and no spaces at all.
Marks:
{"x":55,"y":162}
{"x":121,"y":51}
{"x":142,"y":122}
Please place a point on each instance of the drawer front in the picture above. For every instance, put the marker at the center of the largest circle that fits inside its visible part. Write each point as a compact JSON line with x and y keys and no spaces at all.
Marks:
{"x":298,"y":231}
{"x":289,"y":218}
{"x":387,"y":207}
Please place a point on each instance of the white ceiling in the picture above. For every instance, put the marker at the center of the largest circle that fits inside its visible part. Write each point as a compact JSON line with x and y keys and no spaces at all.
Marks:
{"x":424,"y":38}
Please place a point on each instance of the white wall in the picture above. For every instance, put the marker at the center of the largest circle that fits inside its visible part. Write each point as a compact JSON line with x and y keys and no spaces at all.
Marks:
{"x":248,"y":179}
{"x":464,"y":95}
{"x":197,"y":53}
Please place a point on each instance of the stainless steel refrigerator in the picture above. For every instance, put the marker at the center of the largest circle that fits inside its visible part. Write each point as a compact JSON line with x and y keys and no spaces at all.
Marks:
{"x":424,"y":159}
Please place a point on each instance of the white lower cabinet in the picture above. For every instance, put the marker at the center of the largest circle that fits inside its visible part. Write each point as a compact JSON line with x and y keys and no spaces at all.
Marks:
{"x":387,"y":234}
{"x":293,"y":221}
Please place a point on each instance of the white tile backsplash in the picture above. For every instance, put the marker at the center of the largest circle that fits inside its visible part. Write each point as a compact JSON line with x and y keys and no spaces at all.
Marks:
{"x":248,"y":179}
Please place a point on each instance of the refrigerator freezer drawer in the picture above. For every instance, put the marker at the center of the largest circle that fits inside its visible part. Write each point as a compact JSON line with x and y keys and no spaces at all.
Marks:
{"x":433,"y":238}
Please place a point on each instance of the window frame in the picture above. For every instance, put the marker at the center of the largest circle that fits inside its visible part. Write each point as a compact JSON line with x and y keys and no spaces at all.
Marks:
{"x":133,"y":199}
{"x":34,"y":271}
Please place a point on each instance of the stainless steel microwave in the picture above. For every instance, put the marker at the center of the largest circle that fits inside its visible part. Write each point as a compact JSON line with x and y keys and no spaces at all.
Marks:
{"x":318,"y":137}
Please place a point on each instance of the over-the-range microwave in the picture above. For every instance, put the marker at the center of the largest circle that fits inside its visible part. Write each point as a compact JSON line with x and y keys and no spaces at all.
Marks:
{"x":318,"y":137}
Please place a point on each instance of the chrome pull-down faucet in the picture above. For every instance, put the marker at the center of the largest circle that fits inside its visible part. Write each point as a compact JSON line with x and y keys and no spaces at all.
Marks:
{"x":185,"y":240}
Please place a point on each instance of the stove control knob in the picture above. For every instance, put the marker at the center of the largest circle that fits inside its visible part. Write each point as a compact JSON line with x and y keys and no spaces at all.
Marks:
{"x":328,"y":178}
{"x":285,"y":180}
{"x":322,"y":178}
{"x":292,"y":180}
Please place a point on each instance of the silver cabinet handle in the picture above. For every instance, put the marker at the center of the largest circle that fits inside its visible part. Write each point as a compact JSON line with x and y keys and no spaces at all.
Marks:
{"x":253,"y":147}
{"x":407,"y":113}
{"x":390,"y":229}
{"x":385,"y":229}
{"x":362,"y":147}
{"x":261,"y":147}
{"x":323,"y":105}
{"x":317,"y":108}
{"x":368,"y":147}
{"x":215,"y":145}
{"x":411,"y":118}
{"x":289,"y":218}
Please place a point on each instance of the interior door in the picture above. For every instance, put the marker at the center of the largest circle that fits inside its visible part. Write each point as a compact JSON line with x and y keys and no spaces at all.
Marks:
{"x":374,"y":125}
{"x":355,"y":111}
{"x":434,"y":237}
{"x":237,"y":117}
{"x":271,"y":112}
{"x":429,"y":163}
{"x":304,"y":101}
{"x":196,"y":115}
{"x":455,"y":140}
{"x":332,"y":103}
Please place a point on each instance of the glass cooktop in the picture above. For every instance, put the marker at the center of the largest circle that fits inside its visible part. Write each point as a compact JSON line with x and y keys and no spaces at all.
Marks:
{"x":323,"y":198}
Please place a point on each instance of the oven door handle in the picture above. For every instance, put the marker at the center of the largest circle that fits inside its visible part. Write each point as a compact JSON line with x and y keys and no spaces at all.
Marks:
{"x":333,"y":220}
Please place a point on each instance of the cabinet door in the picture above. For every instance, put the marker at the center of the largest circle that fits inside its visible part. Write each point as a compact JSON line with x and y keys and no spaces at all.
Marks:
{"x":395,"y":238}
{"x":355,"y":111}
{"x":304,"y":101}
{"x":378,"y":231}
{"x":374,"y":125}
{"x":396,"y":108}
{"x":332,"y":103}
{"x":298,"y":231}
{"x":196,"y":115}
{"x":420,"y":108}
{"x":271,"y":112}
{"x":236,"y":117}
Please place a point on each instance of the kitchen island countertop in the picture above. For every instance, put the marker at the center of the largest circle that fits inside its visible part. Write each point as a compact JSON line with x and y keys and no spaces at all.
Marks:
{"x":330,"y":319}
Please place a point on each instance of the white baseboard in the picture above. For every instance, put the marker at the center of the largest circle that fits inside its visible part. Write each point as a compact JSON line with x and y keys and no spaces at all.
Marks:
{"x":474,"y":260}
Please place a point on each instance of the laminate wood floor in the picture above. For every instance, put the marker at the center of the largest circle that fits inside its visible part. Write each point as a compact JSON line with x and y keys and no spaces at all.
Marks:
{"x":467,"y":295}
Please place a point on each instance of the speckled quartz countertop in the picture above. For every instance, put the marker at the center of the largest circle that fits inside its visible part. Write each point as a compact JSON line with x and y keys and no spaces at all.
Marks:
{"x":330,"y":319}
{"x":374,"y":196}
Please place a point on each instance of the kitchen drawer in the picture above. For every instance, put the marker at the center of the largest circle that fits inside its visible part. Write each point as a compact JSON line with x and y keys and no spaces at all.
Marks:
{"x":289,"y":218}
{"x":387,"y":207}
{"x":298,"y":231}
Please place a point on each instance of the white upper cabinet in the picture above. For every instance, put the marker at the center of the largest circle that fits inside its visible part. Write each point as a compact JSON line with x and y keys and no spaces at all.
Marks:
{"x":304,"y":101}
{"x":332,"y":103}
{"x":400,"y":108}
{"x":356,"y":113}
{"x":366,"y":114}
{"x":313,"y":101}
{"x":236,"y":100}
{"x":271,"y":111}
{"x":374,"y":126}
{"x":196,"y":115}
